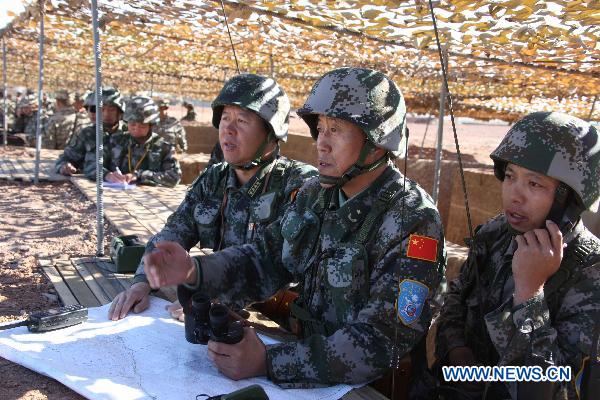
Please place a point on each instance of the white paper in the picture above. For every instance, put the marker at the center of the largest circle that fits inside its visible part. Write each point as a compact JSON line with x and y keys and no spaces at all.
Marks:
{"x":144,"y":356}
{"x":119,"y":185}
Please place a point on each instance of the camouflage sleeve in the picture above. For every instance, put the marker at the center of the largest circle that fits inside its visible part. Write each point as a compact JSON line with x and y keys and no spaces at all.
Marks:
{"x":181,"y":140}
{"x":451,"y":321}
{"x":74,"y":153}
{"x":19,"y":126}
{"x":181,"y":225}
{"x":362,"y":349}
{"x":89,"y":163}
{"x":567,"y":337}
{"x":246,"y":273}
{"x":170,"y":171}
{"x":49,"y":135}
{"x":297,"y":175}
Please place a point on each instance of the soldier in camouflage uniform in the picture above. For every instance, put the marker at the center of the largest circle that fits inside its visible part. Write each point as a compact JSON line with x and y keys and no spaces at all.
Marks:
{"x":231,"y":203}
{"x":63,"y":124}
{"x":140,"y":155}
{"x":536,"y":303}
{"x":79,"y":105}
{"x":31,"y":125}
{"x":26,"y":120}
{"x":365,"y":243}
{"x":89,"y":106}
{"x":10,"y":112}
{"x":190,"y":114}
{"x":169,"y":128}
{"x":80,"y":153}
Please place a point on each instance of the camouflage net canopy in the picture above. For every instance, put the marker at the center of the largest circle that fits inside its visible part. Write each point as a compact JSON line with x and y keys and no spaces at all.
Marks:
{"x":506,"y":58}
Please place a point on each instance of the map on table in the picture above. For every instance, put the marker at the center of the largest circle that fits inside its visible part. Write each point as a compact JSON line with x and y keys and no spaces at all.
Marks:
{"x":144,"y":356}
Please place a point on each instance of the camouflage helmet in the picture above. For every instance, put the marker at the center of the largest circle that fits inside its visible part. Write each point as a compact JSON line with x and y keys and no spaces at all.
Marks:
{"x":112,"y":97}
{"x":259,"y":94}
{"x":141,"y":109}
{"x":557,"y":145}
{"x":90,"y":100}
{"x":63,"y":95}
{"x":163,"y":103}
{"x":78,"y":96}
{"x":363,"y":96}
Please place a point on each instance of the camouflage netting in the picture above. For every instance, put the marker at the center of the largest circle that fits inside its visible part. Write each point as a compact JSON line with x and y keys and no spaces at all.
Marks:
{"x":505,"y":58}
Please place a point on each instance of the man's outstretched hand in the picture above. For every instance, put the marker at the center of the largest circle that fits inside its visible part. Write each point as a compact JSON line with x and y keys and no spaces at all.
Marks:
{"x":169,"y":264}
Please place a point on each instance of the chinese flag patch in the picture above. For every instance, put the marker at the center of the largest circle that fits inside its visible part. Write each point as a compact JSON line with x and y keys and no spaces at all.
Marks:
{"x":422,"y":248}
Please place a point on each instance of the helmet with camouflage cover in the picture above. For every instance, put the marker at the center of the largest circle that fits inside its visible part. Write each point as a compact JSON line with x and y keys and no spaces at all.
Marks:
{"x":112,"y":97}
{"x":141,"y":109}
{"x":366,"y":98}
{"x":90,"y":100}
{"x":557,"y":145}
{"x":163,"y":103}
{"x":63,"y":95}
{"x":363,"y":96}
{"x":259,"y":94}
{"x":78,"y":96}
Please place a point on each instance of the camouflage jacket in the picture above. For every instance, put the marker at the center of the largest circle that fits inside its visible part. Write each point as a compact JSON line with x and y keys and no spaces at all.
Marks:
{"x":354,"y":265}
{"x":60,"y":127}
{"x":189,"y":116}
{"x":31,"y":126}
{"x":81,"y":150}
{"x":21,"y":122}
{"x":217,"y":212}
{"x":152,"y":162}
{"x":10,"y":112}
{"x":172,"y":132}
{"x":563,"y":316}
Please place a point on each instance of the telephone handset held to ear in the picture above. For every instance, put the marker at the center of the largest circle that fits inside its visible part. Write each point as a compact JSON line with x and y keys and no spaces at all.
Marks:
{"x":564,"y":211}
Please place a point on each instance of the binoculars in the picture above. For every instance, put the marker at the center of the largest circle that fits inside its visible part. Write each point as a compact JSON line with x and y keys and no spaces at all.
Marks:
{"x":206,"y":321}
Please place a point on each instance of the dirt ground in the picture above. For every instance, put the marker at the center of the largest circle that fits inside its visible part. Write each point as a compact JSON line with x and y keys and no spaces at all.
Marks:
{"x":51,"y":220}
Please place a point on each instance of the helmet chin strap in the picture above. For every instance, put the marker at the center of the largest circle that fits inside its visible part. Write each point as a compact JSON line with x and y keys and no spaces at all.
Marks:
{"x":258,"y":159}
{"x":356,"y":169}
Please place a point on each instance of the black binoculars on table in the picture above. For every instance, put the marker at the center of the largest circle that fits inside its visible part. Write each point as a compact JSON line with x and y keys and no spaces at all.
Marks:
{"x":206,"y":321}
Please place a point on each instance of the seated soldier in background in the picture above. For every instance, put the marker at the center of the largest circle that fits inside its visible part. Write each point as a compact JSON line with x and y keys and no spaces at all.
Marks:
{"x":169,"y":128}
{"x":80,"y":153}
{"x":190,"y":114}
{"x":232,"y":202}
{"x":63,"y":124}
{"x":140,"y":155}
{"x":80,"y":108}
{"x":365,"y":243}
{"x":536,"y":296}
{"x":26,"y":121}
{"x":10,"y":112}
{"x":89,"y":106}
{"x":31,"y":109}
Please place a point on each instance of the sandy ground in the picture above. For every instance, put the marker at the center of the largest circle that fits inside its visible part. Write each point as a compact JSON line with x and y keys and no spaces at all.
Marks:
{"x":51,"y":220}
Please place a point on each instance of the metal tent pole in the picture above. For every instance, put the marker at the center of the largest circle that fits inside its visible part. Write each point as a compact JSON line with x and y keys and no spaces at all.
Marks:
{"x":99,"y":134}
{"x":5,"y":141}
{"x":38,"y":128}
{"x":440,"y":138}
